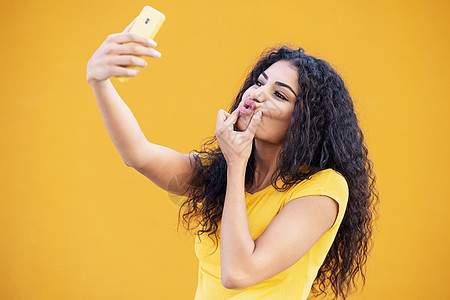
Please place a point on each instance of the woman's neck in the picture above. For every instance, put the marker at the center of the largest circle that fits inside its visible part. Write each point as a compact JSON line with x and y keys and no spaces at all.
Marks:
{"x":266,"y":163}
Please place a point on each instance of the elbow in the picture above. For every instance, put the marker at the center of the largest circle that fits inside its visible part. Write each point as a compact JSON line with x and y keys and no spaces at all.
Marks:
{"x":229,"y":284}
{"x":233,"y":283}
{"x":128,"y":163}
{"x":131,"y":161}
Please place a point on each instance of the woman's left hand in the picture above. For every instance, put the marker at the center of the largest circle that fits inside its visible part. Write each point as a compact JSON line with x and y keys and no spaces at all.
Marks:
{"x":236,"y":146}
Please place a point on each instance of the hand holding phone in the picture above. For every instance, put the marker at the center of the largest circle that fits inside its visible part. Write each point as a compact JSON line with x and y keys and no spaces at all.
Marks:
{"x":147,"y":24}
{"x":119,"y":53}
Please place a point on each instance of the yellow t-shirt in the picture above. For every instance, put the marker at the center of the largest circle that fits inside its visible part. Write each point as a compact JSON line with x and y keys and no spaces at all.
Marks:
{"x":262,"y":206}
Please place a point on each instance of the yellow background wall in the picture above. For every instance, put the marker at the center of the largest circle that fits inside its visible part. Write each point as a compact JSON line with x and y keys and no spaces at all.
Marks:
{"x":76,"y":223}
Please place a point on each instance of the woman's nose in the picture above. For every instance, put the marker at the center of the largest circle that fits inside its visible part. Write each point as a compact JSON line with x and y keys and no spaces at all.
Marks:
{"x":260,"y":94}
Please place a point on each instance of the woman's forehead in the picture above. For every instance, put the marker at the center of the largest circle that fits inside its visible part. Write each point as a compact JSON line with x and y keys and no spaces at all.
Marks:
{"x":282,"y":71}
{"x":282,"y":67}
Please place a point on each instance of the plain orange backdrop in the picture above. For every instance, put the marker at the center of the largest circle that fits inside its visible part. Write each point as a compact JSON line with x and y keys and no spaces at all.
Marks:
{"x":76,"y":223}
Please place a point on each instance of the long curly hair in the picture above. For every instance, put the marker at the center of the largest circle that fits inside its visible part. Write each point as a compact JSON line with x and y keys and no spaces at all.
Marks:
{"x":323,"y":133}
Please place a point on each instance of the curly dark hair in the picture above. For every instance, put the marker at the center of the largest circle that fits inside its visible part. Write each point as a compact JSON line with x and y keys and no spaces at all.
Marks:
{"x":323,"y":133}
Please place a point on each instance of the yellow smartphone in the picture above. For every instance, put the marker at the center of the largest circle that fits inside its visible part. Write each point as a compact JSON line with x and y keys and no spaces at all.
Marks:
{"x":147,"y":24}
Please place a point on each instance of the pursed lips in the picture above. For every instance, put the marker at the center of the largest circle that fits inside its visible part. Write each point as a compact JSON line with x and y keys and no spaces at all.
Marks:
{"x":248,"y":106}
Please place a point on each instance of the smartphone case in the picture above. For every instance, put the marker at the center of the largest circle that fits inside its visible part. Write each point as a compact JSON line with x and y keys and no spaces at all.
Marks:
{"x":148,"y":24}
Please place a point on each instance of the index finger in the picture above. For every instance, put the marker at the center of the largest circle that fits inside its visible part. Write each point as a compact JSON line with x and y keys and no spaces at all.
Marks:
{"x":221,"y":117}
{"x":132,"y":37}
{"x":233,"y":116}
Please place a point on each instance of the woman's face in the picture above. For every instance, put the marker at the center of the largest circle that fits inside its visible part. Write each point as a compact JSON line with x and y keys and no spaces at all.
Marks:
{"x":274,"y":94}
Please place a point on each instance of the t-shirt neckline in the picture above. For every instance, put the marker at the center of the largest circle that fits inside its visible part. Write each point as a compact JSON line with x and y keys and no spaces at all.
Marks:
{"x":264,"y":189}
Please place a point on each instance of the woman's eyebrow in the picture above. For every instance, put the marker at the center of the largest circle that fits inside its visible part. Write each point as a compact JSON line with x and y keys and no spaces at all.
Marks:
{"x":279,"y":83}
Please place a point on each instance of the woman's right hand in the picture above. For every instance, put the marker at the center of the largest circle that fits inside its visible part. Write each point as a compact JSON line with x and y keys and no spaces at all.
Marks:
{"x":112,"y":57}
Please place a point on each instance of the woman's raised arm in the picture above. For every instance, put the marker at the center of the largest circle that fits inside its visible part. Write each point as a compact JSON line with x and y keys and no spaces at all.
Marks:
{"x":167,"y":168}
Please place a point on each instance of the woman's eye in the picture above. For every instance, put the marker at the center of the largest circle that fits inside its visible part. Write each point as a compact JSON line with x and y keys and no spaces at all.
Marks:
{"x":280,"y":95}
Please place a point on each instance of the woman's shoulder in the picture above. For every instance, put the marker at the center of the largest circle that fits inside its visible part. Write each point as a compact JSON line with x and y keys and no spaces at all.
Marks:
{"x":328,"y":173}
{"x":328,"y":178}
{"x":325,"y":182}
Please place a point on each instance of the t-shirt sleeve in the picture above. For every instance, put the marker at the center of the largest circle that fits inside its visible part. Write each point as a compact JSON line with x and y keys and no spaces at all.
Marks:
{"x":177,"y":199}
{"x":327,"y":183}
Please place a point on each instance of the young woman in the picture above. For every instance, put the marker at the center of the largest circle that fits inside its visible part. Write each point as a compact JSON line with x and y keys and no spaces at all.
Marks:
{"x":286,"y":197}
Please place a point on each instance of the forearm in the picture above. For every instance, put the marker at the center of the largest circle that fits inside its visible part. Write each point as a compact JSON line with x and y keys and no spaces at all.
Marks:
{"x":236,"y":242}
{"x":122,"y":127}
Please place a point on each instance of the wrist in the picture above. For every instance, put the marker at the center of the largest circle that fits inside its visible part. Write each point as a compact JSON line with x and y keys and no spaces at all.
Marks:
{"x":236,"y":167}
{"x":97,"y":83}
